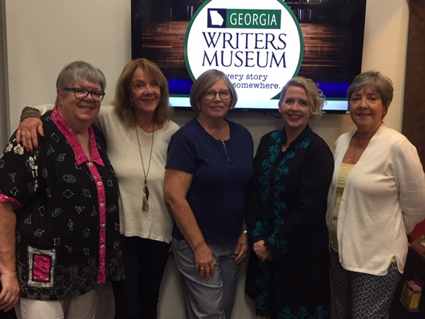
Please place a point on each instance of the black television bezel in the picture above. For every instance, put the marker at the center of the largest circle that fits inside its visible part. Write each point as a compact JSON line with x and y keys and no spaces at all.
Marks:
{"x":358,"y":11}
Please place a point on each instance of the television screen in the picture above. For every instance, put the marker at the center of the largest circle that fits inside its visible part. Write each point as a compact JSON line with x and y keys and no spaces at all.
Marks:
{"x":260,"y":45}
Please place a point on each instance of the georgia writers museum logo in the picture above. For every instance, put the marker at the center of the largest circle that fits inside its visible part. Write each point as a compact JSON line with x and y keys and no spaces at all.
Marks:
{"x":257,"y":44}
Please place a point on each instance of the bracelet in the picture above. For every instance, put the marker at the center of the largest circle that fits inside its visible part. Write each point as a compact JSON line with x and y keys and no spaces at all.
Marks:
{"x":28,"y":112}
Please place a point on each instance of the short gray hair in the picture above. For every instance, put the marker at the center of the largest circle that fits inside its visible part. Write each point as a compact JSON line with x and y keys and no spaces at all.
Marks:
{"x":379,"y":83}
{"x":79,"y":70}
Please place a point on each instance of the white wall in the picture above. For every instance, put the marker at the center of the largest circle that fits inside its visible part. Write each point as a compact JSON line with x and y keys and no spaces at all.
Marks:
{"x":44,"y":35}
{"x":4,"y":123}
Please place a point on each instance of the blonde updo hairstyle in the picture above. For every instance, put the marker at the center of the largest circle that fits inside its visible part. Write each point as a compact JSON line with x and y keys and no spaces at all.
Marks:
{"x":315,"y":96}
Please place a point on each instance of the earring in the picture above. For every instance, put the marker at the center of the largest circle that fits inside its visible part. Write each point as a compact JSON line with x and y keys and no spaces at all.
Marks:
{"x":131,"y":104}
{"x":384,"y":113}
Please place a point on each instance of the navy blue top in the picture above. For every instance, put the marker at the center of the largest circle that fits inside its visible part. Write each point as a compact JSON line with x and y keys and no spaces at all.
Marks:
{"x":221,"y":175}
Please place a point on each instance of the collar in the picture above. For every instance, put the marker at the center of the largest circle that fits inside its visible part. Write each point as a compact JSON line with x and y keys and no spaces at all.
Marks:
{"x":80,"y":156}
{"x":305,"y":133}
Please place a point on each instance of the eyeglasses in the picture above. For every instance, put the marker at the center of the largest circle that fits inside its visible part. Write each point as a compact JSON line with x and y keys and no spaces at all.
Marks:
{"x":224,"y":94}
{"x":82,"y":94}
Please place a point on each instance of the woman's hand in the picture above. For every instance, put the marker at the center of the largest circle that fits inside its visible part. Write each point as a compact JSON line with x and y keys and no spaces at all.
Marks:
{"x":241,"y":248}
{"x":261,"y":251}
{"x":10,"y":290}
{"x":27,"y":132}
{"x":204,"y":261}
{"x":10,"y":287}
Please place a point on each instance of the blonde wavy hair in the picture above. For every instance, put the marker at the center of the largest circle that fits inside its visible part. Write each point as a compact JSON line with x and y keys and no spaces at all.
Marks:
{"x":315,"y":96}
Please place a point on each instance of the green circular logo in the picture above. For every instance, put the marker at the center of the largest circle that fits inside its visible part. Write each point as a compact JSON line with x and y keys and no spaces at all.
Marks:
{"x":257,"y":44}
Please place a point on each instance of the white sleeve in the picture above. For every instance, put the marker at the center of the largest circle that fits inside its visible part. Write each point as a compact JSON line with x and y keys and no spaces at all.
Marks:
{"x":103,"y":119}
{"x":43,"y":108}
{"x":410,"y":179}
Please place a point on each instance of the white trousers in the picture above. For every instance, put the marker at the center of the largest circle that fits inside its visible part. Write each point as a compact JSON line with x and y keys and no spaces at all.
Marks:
{"x":81,"y":307}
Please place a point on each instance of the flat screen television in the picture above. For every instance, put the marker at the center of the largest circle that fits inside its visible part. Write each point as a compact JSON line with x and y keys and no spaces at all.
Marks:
{"x":260,"y":44}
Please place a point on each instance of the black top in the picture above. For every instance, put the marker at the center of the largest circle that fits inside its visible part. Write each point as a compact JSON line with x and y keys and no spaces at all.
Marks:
{"x":67,"y":229}
{"x":286,"y":209}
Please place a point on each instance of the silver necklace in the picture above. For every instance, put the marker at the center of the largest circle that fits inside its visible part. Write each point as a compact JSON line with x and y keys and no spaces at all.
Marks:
{"x":145,"y":205}
{"x":349,"y":156}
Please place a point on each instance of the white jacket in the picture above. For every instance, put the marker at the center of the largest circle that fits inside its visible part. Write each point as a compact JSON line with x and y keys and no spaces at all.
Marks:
{"x":383,"y":199}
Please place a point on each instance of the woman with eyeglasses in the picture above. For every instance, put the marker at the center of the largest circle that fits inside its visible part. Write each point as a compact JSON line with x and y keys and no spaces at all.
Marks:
{"x":137,"y":130}
{"x":209,"y":168}
{"x":59,"y":208}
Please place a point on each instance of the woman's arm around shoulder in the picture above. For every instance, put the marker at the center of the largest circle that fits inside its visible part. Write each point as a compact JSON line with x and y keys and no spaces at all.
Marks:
{"x":106,"y":119}
{"x":30,"y":126}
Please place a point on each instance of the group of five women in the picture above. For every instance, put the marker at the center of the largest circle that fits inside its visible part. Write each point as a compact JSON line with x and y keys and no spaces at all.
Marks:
{"x":277,"y":207}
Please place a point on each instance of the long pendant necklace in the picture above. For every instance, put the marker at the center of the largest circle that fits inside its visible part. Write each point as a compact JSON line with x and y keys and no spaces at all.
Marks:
{"x":145,"y":205}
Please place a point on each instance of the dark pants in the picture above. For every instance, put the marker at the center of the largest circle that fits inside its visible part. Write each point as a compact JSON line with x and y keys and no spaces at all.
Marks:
{"x":7,"y":315}
{"x":137,"y":296}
